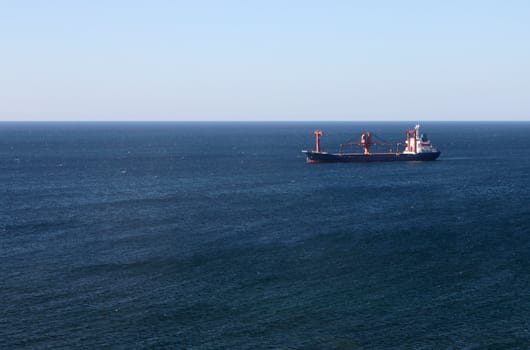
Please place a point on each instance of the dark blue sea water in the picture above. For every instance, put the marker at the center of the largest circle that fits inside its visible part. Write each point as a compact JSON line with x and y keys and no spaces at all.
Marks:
{"x":220,"y":236}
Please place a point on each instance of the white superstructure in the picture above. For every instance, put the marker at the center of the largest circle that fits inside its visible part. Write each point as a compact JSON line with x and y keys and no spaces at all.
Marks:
{"x":417,"y":142}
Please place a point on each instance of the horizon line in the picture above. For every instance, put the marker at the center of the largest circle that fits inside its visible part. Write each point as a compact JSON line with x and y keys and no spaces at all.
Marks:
{"x":269,"y":121}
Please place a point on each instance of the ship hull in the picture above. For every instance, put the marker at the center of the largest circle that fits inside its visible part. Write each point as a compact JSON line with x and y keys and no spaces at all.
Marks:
{"x":322,"y":157}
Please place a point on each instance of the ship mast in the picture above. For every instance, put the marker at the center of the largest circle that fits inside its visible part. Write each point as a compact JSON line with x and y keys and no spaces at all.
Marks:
{"x":318,"y":133}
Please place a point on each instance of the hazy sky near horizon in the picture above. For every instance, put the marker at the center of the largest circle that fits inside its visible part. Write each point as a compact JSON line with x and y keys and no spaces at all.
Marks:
{"x":265,"y":60}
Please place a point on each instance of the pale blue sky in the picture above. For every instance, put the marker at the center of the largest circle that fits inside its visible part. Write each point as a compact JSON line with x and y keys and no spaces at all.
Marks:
{"x":265,"y":60}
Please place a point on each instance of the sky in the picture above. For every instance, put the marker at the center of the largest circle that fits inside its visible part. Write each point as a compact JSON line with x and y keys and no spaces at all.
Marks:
{"x":292,"y":60}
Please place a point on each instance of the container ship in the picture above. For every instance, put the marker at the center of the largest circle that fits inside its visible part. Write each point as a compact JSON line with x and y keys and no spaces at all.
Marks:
{"x":417,"y":147}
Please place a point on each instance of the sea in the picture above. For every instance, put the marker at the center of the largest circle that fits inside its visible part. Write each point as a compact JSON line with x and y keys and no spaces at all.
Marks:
{"x":221,"y":236}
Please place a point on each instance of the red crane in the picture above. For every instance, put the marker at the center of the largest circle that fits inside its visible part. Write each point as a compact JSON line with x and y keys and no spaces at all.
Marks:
{"x":366,"y":143}
{"x":318,"y":133}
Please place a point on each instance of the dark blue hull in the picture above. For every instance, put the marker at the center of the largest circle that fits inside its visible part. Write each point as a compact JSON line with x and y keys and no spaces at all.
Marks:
{"x":320,"y":157}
